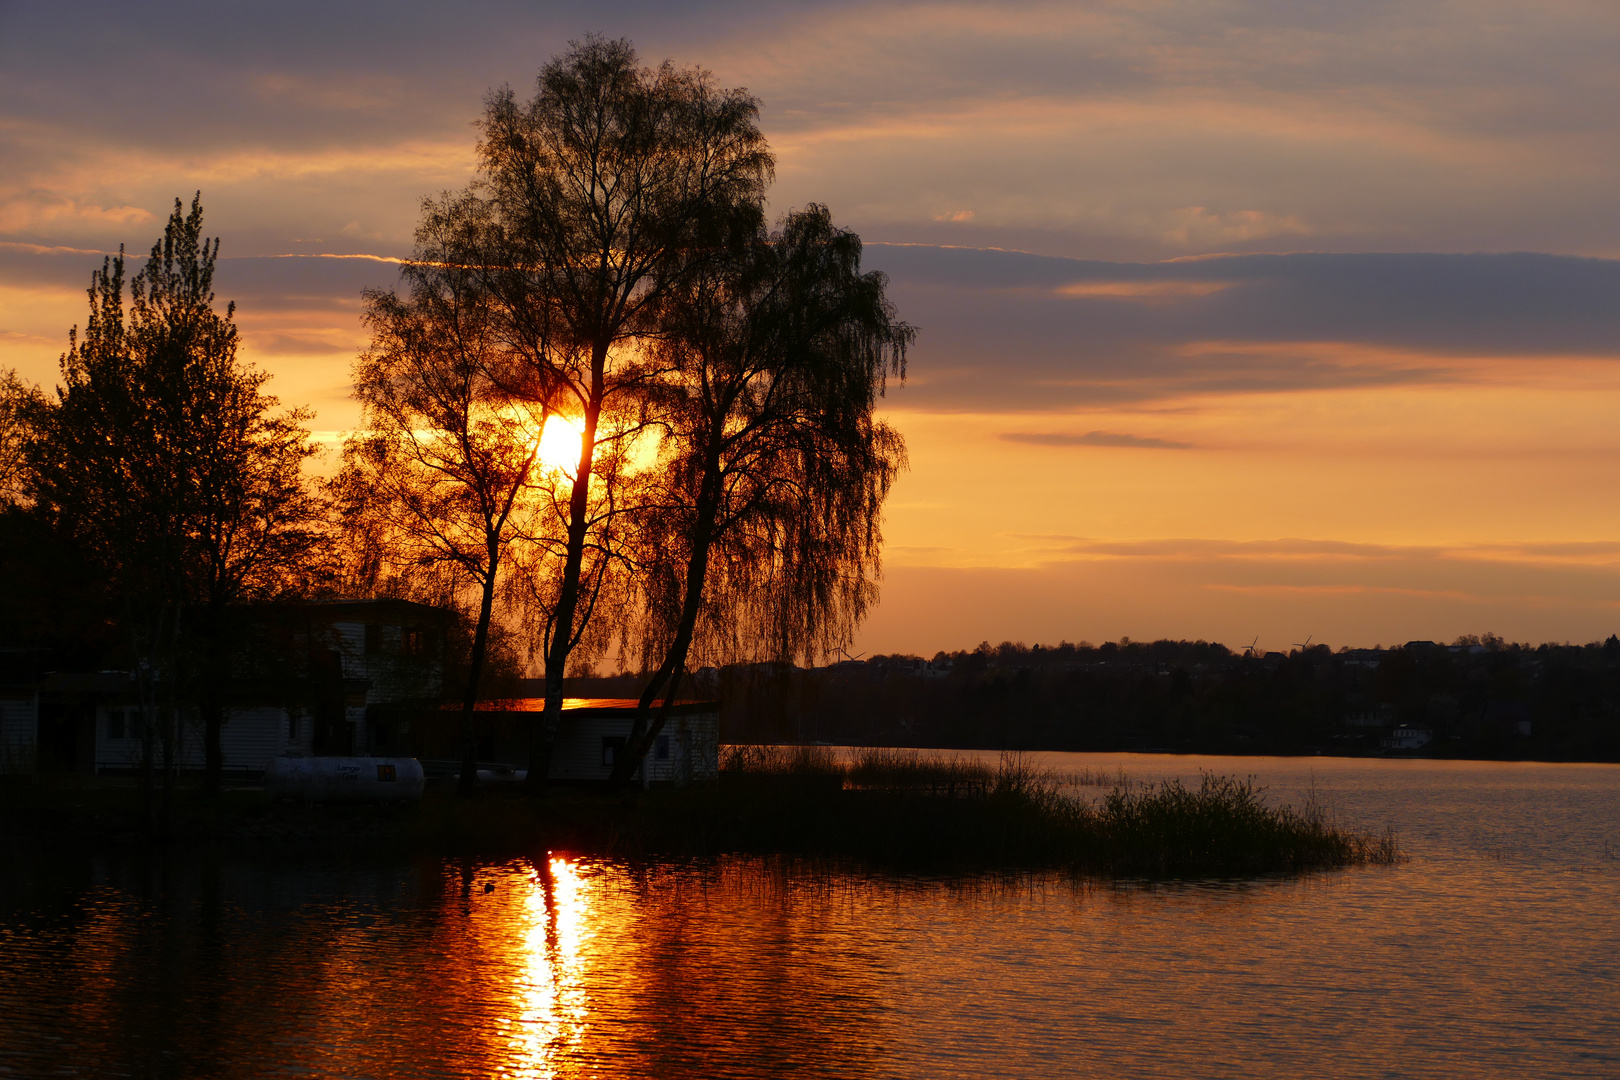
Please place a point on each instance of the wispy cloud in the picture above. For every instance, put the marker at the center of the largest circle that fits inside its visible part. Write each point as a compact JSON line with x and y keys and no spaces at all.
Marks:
{"x":1330,"y":552}
{"x":1094,"y":438}
{"x":1145,"y":291}
{"x":1014,"y":331}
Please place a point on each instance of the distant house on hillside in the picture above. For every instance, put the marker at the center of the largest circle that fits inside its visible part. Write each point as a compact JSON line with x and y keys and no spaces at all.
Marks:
{"x":1407,"y":738}
{"x":313,"y":678}
{"x":1375,"y":715}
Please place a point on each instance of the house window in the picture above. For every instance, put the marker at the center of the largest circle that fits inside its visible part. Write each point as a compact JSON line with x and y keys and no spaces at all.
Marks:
{"x":410,"y":641}
{"x":610,"y":750}
{"x":373,"y":638}
{"x":661,"y":748}
{"x":115,"y":724}
{"x":292,"y":725}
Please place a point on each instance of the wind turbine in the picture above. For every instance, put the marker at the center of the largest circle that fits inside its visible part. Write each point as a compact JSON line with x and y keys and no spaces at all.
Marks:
{"x":1303,"y":645}
{"x":1250,"y":650}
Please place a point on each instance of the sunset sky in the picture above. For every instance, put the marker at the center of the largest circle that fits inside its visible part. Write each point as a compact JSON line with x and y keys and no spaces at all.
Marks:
{"x":1236,"y":318}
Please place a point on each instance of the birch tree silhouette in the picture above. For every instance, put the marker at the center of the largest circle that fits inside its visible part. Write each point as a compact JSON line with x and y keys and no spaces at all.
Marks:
{"x":602,"y":191}
{"x":763,"y":535}
{"x":446,"y":457}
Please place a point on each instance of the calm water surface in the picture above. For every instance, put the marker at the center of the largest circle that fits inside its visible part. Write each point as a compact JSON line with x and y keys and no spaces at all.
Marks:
{"x":1494,"y":952}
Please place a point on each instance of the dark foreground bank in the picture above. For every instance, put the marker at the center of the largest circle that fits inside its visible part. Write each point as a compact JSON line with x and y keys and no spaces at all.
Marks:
{"x":884,"y":808}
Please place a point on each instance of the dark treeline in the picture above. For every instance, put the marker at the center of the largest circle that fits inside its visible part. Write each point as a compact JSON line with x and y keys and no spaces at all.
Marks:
{"x":1478,"y":697}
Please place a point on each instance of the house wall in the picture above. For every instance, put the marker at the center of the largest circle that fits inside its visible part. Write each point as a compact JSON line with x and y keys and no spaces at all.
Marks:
{"x":123,"y":753}
{"x":248,"y":739}
{"x":395,"y":675}
{"x":351,"y":643}
{"x":693,"y":748}
{"x":355,"y":717}
{"x":19,"y":729}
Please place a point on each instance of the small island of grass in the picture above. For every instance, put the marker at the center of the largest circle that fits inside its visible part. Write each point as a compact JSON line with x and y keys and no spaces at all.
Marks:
{"x":901,"y":808}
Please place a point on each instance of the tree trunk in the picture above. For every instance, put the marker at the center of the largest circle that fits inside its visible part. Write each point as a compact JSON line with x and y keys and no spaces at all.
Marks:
{"x":475,"y":667}
{"x":212,"y":706}
{"x":213,"y":718}
{"x":148,"y":722}
{"x":562,"y":631}
{"x":644,"y":731}
{"x":171,"y":765}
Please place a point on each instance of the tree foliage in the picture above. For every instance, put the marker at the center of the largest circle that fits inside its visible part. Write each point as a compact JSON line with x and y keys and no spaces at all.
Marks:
{"x":20,"y":405}
{"x":599,"y":194}
{"x":164,"y":459}
{"x":441,"y":480}
{"x":763,"y":534}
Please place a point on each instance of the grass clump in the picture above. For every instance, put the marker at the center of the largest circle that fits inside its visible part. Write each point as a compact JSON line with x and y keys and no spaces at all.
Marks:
{"x":901,"y":807}
{"x":1223,"y":826}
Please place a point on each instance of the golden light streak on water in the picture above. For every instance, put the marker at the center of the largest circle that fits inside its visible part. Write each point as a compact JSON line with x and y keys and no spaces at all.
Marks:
{"x":553,"y":913}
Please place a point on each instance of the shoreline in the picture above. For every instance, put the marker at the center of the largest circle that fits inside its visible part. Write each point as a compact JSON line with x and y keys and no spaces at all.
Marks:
{"x":1284,"y":754}
{"x":886,"y":809}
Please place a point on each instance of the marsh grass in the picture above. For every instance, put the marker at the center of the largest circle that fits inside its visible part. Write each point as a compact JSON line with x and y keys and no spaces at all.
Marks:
{"x":899,"y":806}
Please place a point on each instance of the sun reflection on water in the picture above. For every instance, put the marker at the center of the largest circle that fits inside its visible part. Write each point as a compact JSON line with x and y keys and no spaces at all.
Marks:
{"x":553,"y":916}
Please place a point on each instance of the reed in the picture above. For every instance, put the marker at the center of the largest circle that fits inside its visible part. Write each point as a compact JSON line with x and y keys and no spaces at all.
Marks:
{"x":901,"y":807}
{"x":1224,"y":826}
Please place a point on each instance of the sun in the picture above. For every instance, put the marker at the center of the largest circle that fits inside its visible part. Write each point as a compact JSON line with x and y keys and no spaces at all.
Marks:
{"x":559,"y":444}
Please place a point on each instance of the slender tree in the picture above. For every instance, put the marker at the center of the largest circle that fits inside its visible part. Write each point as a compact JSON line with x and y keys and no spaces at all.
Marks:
{"x":100,"y":476}
{"x":250,"y":523}
{"x":446,"y":459}
{"x":602,"y":190}
{"x":764,"y":529}
{"x":164,"y":458}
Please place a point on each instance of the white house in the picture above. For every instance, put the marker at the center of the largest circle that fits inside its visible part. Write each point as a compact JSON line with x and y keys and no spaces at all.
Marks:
{"x":1407,"y":738}
{"x":310,"y":682}
{"x":592,"y":734}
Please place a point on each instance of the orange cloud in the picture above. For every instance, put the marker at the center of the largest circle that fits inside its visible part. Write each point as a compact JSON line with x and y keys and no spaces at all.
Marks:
{"x":1094,"y":438}
{"x":35,"y":212}
{"x":1144,"y":291}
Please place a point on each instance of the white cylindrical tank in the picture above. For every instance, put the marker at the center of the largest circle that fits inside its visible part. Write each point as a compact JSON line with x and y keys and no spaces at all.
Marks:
{"x":344,"y":779}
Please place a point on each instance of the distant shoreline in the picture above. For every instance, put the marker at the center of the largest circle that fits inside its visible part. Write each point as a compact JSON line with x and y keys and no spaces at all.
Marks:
{"x":1204,"y":752}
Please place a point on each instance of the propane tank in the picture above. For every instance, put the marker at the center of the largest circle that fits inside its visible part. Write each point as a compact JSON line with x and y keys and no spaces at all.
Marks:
{"x":344,"y":779}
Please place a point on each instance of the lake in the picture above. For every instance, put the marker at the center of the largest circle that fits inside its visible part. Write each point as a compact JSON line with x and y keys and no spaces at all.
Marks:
{"x":1495,"y":951}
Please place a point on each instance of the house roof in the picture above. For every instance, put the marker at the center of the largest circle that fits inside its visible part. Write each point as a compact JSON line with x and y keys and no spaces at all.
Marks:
{"x":86,"y":682}
{"x":601,"y":706}
{"x":377,"y":608}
